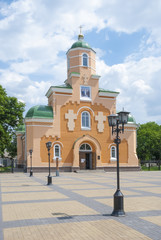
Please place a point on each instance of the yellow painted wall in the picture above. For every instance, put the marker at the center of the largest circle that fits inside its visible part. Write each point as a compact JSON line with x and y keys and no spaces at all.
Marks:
{"x":67,"y":138}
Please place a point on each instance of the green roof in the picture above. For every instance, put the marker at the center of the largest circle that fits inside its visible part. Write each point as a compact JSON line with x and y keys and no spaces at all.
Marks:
{"x":75,"y":73}
{"x":40,"y":111}
{"x":21,"y":128}
{"x":98,"y":76}
{"x":66,"y":85}
{"x":104,"y":90}
{"x":81,"y":44}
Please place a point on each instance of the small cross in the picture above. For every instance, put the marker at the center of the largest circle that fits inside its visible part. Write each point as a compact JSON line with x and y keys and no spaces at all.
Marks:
{"x":71,"y":117}
{"x":85,"y":78}
{"x":80,"y":29}
{"x":100,"y":118}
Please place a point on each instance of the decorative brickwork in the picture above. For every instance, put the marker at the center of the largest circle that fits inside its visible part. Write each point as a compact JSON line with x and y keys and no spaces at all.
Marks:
{"x":100,"y":118}
{"x":71,"y":117}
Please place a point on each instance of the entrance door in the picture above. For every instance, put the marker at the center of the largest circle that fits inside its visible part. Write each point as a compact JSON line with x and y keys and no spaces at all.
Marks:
{"x":85,"y":157}
{"x":89,"y":161}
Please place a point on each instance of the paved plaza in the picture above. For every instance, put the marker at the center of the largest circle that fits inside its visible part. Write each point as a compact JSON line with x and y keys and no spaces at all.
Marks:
{"x":77,"y":206}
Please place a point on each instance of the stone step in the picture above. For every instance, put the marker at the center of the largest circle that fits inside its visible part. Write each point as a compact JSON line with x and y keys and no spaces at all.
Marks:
{"x":90,"y":171}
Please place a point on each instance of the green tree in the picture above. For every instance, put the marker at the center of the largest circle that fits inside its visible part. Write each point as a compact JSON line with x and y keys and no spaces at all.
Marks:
{"x":12,"y":146}
{"x":11,"y":116}
{"x":149,"y":141}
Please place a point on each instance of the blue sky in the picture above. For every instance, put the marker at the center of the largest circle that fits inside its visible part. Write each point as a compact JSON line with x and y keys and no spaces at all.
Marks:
{"x":116,"y":46}
{"x":126,"y":35}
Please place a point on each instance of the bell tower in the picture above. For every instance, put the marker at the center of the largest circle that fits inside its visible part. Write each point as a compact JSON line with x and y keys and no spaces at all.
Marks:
{"x":80,"y":59}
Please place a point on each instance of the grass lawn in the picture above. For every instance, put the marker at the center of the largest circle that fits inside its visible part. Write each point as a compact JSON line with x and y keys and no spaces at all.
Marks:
{"x":5,"y":169}
{"x":152,"y":168}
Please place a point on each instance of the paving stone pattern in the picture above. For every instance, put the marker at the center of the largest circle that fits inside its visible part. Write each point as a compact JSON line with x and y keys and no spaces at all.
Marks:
{"x":79,"y":206}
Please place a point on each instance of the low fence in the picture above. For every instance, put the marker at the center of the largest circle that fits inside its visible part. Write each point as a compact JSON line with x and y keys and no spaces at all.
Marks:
{"x":151,"y":163}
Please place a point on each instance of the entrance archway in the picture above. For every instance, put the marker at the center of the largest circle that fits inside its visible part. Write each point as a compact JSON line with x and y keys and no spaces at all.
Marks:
{"x":86,"y":158}
{"x":86,"y":150}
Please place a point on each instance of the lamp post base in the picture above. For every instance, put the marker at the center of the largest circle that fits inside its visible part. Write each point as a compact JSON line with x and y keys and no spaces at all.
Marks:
{"x":49,"y":180}
{"x":118,"y":204}
{"x":31,"y":173}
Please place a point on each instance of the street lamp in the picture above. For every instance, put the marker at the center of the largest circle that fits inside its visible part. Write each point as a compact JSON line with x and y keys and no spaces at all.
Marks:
{"x":48,"y":145}
{"x":12,"y":165}
{"x":114,"y":121}
{"x":31,"y":172}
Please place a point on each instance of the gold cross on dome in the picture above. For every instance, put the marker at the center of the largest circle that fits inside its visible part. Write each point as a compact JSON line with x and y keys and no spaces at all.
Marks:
{"x":80,"y":29}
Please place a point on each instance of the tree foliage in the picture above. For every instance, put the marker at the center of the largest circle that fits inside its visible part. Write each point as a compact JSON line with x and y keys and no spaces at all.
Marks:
{"x":11,"y":116}
{"x":149,"y":141}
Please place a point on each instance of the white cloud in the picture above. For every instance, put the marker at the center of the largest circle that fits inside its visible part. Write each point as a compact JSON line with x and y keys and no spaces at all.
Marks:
{"x":139,"y":84}
{"x":142,"y":87}
{"x":35,"y":35}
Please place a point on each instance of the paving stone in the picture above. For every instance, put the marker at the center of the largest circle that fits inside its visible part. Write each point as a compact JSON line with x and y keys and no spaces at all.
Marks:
{"x":78,"y":206}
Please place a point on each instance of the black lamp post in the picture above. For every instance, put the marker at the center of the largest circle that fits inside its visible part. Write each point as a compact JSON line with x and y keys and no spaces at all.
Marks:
{"x":12,"y":165}
{"x":31,"y":172}
{"x":114,"y":121}
{"x":48,"y":145}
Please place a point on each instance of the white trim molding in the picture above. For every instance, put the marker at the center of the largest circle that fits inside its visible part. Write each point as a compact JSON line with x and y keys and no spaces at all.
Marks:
{"x":85,"y":98}
{"x":74,"y":75}
{"x":44,"y":120}
{"x":84,"y":53}
{"x":35,"y":125}
{"x":108,"y":94}
{"x":85,"y":150}
{"x":58,"y":142}
{"x":130,"y":125}
{"x":81,"y":56}
{"x":83,"y":66}
{"x":55,"y":157}
{"x":95,"y":76}
{"x":59,"y":90}
{"x":113,"y":159}
{"x":85,"y":108}
{"x":80,"y":48}
{"x":89,"y":121}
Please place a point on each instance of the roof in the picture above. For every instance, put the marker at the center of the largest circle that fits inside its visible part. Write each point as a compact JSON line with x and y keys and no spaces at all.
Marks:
{"x":40,"y":111}
{"x":66,"y":88}
{"x":131,"y":119}
{"x":107,"y":91}
{"x":65,"y":85}
{"x":21,"y":129}
{"x":81,"y":43}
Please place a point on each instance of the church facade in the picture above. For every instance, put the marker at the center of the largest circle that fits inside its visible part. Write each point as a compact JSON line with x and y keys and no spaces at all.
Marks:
{"x":76,"y":122}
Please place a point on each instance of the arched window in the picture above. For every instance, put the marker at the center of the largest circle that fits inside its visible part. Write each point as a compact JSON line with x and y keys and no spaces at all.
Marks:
{"x":85,"y":120}
{"x":85,"y":60}
{"x":113,"y":153}
{"x":85,"y":147}
{"x":57,"y":151}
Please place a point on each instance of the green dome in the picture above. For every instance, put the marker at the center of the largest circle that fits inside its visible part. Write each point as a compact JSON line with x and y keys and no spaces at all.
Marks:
{"x":21,"y":128}
{"x":131,"y":119}
{"x":40,"y":111}
{"x":80,"y":43}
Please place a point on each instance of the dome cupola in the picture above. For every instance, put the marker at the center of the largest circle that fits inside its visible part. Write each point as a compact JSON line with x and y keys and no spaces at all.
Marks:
{"x":40,"y":111}
{"x":80,"y":43}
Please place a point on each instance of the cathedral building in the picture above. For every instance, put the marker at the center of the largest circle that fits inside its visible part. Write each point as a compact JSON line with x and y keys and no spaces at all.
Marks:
{"x":76,"y":122}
